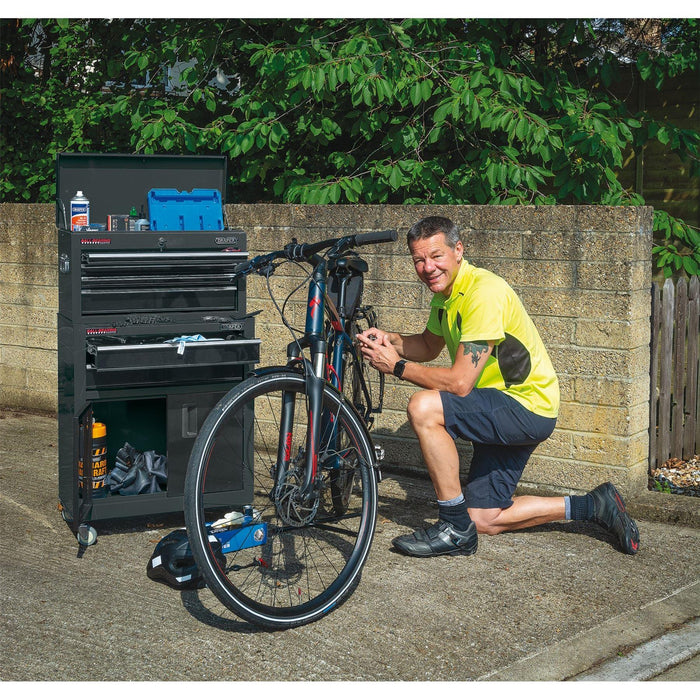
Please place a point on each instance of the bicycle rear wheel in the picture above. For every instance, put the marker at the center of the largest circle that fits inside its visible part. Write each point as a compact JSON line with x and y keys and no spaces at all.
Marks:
{"x":362,"y":384}
{"x":289,"y":561}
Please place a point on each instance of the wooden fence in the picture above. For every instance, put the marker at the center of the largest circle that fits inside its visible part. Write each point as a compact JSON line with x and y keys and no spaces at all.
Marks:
{"x":674,"y":429}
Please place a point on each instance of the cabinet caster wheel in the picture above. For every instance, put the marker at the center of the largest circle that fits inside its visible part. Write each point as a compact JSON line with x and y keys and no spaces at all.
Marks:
{"x":86,"y":535}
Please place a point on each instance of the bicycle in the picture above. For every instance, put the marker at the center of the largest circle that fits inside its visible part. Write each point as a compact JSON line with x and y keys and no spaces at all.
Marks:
{"x":299,"y":434}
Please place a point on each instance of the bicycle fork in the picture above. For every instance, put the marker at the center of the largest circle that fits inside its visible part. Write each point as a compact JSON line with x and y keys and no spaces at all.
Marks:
{"x":315,"y":380}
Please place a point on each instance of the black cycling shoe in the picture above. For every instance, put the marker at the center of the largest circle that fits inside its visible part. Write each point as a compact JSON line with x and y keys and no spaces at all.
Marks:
{"x":441,"y":538}
{"x":609,"y":511}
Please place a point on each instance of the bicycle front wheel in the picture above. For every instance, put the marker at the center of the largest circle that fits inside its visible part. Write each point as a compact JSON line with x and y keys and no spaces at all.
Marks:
{"x":290,"y":557}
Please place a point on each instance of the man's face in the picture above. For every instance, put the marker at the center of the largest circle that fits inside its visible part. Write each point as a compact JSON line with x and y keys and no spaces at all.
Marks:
{"x":436,"y":263}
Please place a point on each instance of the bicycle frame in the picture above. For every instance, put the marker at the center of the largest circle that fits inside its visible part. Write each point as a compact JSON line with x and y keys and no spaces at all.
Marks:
{"x":315,"y":339}
{"x":316,"y":372}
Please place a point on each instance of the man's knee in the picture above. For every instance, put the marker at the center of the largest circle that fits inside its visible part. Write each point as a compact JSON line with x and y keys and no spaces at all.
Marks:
{"x":485,"y":520}
{"x":425,"y":407}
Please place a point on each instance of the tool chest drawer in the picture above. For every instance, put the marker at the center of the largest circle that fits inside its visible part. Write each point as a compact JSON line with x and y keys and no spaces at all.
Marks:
{"x":153,"y":282}
{"x":154,"y":364}
{"x":174,"y":355}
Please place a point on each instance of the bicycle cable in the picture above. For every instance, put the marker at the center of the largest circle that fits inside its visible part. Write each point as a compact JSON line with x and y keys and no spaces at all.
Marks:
{"x":280,"y":311}
{"x":303,"y":283}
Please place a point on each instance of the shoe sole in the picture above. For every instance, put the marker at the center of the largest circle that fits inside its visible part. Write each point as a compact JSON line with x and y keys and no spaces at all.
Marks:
{"x":425,"y":555}
{"x":629,"y":535}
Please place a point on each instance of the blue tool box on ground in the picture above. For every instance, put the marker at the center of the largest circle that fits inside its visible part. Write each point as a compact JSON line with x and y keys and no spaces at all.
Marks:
{"x":198,"y":210}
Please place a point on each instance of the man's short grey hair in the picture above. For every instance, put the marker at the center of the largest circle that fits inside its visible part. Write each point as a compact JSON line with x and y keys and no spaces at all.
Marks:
{"x":432,"y":225}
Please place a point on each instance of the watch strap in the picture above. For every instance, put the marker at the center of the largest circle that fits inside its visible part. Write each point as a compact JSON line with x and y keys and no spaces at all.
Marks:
{"x":399,"y":368}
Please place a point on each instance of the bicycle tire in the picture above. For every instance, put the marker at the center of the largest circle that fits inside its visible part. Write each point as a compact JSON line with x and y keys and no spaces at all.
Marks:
{"x":374,"y":379}
{"x":309,"y":563}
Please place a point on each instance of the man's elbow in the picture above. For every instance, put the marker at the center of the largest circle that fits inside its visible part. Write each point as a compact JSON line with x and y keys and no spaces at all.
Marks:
{"x":461,"y":387}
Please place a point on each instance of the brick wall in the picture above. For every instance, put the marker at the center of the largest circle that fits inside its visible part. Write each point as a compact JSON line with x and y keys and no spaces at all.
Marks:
{"x":583,"y":273}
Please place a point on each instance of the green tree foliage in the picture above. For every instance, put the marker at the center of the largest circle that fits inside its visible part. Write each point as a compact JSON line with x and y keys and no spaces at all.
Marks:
{"x":432,"y":111}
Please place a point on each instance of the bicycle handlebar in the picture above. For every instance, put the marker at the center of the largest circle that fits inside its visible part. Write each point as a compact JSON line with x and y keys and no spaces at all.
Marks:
{"x":304,"y":252}
{"x":376,"y":237}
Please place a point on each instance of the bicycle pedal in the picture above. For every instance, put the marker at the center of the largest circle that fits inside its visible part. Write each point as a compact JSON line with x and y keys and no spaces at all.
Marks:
{"x":379,"y":453}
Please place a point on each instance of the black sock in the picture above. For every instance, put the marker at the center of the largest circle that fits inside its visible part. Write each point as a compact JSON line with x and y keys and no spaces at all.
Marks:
{"x":456,"y":515}
{"x":581,"y":507}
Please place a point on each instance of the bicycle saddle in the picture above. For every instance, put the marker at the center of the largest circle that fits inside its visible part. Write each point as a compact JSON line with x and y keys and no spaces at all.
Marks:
{"x":356,"y":264}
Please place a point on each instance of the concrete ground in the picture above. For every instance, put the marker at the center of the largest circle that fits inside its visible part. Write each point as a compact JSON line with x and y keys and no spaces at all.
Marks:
{"x":551,"y":603}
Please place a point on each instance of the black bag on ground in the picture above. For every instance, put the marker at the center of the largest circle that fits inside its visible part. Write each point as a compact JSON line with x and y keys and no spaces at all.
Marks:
{"x":137,"y":472}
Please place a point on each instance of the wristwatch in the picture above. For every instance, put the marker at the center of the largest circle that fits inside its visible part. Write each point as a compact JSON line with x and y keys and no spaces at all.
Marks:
{"x":399,"y":368}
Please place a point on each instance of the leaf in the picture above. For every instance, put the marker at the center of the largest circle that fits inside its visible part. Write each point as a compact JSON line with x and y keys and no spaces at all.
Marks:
{"x":690,"y":265}
{"x":247,"y":142}
{"x":350,"y":193}
{"x":415,"y":94}
{"x":332,"y":79}
{"x":442,"y":111}
{"x":491,"y":174}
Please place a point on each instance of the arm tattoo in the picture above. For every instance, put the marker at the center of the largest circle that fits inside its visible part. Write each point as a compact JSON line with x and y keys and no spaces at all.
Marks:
{"x":476,"y":350}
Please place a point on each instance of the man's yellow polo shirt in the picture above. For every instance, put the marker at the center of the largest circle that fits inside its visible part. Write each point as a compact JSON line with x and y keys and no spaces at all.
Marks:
{"x":481,"y":307}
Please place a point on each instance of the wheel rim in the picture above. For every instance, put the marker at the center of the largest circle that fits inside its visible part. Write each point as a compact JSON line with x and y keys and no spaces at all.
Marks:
{"x":305,"y":566}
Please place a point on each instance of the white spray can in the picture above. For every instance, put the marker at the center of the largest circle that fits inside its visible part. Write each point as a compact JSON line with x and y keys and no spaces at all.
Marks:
{"x":79,"y":211}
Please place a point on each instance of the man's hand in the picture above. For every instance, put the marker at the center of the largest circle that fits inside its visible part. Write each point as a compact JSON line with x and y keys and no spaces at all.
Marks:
{"x":376,"y":348}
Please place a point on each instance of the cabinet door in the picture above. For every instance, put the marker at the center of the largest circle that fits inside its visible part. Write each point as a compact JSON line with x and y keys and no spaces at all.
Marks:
{"x":185,"y":417}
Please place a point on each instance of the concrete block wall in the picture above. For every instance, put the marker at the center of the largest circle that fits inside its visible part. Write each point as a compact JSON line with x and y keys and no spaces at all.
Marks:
{"x":584,"y":274}
{"x":28,"y":306}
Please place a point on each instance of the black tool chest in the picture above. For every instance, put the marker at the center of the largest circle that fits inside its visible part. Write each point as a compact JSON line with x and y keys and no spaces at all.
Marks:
{"x":152,"y":331}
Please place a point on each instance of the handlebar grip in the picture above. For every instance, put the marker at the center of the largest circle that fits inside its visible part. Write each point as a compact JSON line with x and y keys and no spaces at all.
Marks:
{"x":376,"y":237}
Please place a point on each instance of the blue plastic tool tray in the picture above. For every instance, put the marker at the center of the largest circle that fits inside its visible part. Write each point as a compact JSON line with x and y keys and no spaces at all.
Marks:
{"x":198,"y":210}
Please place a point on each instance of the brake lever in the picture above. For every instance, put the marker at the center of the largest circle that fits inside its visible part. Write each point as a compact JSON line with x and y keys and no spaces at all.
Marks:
{"x":266,"y":270}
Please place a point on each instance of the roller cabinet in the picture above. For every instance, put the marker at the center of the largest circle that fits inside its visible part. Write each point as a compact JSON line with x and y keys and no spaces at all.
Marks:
{"x":152,"y":331}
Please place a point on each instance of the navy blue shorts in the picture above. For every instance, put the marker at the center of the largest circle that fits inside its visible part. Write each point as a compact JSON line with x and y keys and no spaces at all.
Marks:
{"x":503,"y":433}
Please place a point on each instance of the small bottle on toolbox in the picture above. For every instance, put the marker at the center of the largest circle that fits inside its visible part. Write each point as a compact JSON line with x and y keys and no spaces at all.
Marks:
{"x":142,"y":223}
{"x":79,"y":211}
